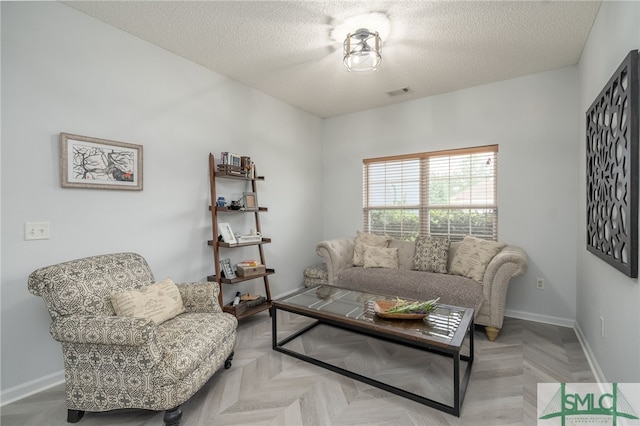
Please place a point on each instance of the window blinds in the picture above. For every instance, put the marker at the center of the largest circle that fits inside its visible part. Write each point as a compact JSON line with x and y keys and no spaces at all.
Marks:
{"x":441,"y":193}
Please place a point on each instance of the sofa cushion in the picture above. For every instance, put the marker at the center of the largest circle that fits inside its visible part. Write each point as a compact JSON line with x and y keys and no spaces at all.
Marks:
{"x":473,"y":256}
{"x":452,"y":289}
{"x":364,"y":239}
{"x":158,"y":302}
{"x":380,"y":257}
{"x":188,"y":341}
{"x":431,"y":254}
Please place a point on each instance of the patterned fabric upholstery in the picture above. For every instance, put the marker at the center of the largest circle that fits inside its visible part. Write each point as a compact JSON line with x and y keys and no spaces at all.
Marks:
{"x":315,"y":275}
{"x":118,"y":362}
{"x":432,"y":253}
{"x":380,"y":257}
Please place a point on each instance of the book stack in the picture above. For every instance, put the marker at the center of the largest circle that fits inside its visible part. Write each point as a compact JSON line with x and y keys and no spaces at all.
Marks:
{"x":230,"y":164}
{"x":236,"y":165}
{"x":249,"y":239}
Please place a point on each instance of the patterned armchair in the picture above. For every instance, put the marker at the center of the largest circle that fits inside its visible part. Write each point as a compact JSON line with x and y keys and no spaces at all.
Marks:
{"x":113,"y":362}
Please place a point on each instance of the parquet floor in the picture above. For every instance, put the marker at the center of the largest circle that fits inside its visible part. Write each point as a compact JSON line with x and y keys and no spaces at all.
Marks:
{"x":264,"y":387}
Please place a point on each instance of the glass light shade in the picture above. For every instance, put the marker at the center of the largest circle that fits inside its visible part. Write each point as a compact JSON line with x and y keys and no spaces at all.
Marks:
{"x":362,"y":51}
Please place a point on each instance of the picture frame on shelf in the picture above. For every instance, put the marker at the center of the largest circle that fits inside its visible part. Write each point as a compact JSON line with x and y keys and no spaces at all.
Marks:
{"x":88,"y":162}
{"x":234,"y":159}
{"x":227,"y":233}
{"x":226,"y":269}
{"x":250,"y":201}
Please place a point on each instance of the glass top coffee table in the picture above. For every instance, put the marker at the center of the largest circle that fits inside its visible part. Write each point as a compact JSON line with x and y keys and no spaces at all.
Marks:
{"x":447,"y":331}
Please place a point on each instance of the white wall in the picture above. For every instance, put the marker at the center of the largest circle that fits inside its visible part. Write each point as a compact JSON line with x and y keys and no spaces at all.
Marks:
{"x":63,"y":71}
{"x":603,"y":291}
{"x":533,"y":120}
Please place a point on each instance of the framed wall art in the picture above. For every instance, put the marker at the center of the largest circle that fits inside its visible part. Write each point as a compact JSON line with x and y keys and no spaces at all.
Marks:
{"x":87,"y":162}
{"x":612,"y":137}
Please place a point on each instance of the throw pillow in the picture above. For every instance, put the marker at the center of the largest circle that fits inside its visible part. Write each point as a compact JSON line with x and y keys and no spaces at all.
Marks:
{"x":380,"y":257}
{"x":366,"y":239}
{"x":159,"y":302}
{"x":406,"y":250}
{"x":473,"y":256}
{"x":432,"y":254}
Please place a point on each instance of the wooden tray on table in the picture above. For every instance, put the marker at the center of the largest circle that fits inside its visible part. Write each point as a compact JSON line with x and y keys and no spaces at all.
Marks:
{"x":381,"y":306}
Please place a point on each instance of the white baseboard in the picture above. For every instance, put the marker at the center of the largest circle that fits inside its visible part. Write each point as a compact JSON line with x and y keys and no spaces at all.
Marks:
{"x":547,"y":319}
{"x":287,"y":293}
{"x":32,"y":387}
{"x":591,"y":359}
{"x":564,"y":322}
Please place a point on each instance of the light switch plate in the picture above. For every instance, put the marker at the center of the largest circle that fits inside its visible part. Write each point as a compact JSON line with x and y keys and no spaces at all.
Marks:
{"x":36,"y":231}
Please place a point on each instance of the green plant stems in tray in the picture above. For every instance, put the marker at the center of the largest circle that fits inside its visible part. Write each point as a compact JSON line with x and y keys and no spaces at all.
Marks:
{"x":407,"y":307}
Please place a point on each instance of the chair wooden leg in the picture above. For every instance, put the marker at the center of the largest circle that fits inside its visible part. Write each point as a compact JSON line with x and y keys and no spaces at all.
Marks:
{"x":74,"y":416}
{"x":227,"y":362}
{"x":492,"y":333}
{"x":172,"y":417}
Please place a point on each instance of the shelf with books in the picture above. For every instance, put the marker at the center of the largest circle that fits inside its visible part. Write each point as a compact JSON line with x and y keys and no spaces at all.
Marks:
{"x":234,"y":165}
{"x":238,"y":280}
{"x":226,"y":175}
{"x":243,"y":310}
{"x":253,"y":243}
{"x":240,"y":210}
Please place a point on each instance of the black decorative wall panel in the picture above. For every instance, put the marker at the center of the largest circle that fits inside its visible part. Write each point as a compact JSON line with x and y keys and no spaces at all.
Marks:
{"x":612,"y":169}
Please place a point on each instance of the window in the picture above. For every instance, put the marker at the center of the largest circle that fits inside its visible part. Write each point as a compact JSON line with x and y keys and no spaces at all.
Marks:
{"x":450,"y":193}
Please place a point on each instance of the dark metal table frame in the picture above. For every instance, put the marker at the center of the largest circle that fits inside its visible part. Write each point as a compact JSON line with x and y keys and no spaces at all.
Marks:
{"x":335,"y":320}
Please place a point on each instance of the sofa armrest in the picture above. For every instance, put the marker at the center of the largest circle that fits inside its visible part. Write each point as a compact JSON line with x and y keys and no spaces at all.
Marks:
{"x":337,"y":255}
{"x":110,"y":330}
{"x":508,"y":255}
{"x":509,"y":263}
{"x":200,"y":297}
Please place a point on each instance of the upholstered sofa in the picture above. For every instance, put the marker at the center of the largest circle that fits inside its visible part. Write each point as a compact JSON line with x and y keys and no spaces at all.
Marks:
{"x":484,"y":288}
{"x":129,"y":342}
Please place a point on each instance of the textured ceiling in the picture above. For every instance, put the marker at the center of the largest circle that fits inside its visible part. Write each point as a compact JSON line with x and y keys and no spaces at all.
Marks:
{"x":288,"y":49}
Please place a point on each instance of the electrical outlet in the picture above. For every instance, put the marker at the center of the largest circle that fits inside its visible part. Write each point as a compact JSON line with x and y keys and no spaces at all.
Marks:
{"x":540,"y":283}
{"x":36,"y":231}
{"x":602,"y":327}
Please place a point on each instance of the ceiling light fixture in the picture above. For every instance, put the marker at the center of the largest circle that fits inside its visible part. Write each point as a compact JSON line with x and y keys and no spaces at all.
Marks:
{"x":362,"y":50}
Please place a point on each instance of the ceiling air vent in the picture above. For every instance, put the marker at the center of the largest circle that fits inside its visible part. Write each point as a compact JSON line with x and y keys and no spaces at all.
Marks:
{"x":400,"y":91}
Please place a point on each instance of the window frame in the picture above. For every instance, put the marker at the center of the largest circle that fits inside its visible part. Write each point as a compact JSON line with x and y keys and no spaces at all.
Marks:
{"x":424,"y":208}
